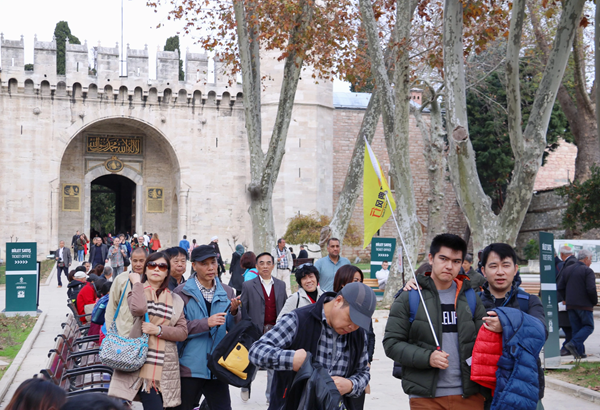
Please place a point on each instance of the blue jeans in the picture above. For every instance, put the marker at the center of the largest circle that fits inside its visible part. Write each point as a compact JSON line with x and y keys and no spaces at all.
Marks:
{"x":80,"y":255}
{"x":582,"y":322}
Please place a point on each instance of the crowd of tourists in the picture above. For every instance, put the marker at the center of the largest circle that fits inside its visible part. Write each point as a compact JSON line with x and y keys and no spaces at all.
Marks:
{"x":457,"y":335}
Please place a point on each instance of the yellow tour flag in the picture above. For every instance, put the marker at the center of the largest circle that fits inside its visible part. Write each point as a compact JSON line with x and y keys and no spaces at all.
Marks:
{"x":375,"y":205}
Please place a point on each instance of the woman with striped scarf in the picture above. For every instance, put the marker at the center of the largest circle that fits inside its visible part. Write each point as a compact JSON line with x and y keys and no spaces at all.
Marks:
{"x":158,"y":381}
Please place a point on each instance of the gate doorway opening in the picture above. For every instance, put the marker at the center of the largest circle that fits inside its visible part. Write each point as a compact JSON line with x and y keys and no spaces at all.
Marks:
{"x":112,"y":205}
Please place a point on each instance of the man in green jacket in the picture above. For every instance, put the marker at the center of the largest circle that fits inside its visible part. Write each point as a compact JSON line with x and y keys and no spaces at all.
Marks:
{"x":432,"y":377}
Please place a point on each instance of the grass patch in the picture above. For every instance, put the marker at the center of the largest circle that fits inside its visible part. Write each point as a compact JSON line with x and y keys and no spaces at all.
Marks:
{"x":45,"y":268}
{"x":13,"y":332}
{"x":586,"y":374}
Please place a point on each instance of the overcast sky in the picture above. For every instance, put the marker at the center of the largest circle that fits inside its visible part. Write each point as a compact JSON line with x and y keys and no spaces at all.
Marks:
{"x":95,"y":22}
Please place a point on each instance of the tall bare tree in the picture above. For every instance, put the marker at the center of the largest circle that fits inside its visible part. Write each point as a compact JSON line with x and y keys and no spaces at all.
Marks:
{"x":527,"y":144}
{"x":395,"y":103}
{"x":579,"y":107}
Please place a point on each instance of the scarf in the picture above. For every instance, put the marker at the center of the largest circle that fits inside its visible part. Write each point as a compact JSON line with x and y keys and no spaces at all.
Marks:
{"x":160,"y":311}
{"x":239,"y":249}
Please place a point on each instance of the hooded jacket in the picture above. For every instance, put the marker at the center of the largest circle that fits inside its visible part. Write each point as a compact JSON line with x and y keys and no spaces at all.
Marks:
{"x":517,"y":384}
{"x":411,"y":344}
{"x":202,"y":339}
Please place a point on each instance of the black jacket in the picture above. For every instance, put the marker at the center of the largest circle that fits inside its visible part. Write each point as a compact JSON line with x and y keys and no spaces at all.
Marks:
{"x":536,"y":309}
{"x":577,"y":286}
{"x":93,"y":249}
{"x":303,"y":254}
{"x":308,"y":339}
{"x":235,"y":269}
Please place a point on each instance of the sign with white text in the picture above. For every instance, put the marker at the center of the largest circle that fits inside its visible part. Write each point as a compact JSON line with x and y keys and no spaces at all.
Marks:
{"x":22,"y":275}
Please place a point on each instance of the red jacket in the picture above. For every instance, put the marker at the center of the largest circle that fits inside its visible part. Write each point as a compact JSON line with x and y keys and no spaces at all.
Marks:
{"x":86,"y":296}
{"x":486,"y":353}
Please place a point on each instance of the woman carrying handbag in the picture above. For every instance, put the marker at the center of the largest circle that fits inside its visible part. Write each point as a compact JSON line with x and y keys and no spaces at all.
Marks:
{"x":158,"y":380}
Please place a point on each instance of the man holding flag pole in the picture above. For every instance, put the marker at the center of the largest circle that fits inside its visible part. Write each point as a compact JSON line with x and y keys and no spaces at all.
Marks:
{"x":446,"y":314}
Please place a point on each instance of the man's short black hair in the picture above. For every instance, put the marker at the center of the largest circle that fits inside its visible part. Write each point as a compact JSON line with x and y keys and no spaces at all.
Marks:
{"x":176,"y":251}
{"x":279,"y":240}
{"x":184,"y":236}
{"x":332,"y":239}
{"x":503,"y":250}
{"x":263,"y":254}
{"x":448,"y":240}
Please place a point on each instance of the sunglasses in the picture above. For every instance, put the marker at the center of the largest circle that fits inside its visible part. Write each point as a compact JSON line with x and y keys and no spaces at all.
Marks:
{"x":303,"y":265}
{"x":161,"y":266}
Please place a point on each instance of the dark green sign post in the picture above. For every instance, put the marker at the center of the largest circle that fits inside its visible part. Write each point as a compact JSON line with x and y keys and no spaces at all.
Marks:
{"x":22,"y":277}
{"x":382,"y":249}
{"x":549,"y":299}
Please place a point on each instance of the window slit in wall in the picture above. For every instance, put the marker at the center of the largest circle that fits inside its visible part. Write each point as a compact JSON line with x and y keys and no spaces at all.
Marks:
{"x":216,"y":142}
{"x":299,"y":172}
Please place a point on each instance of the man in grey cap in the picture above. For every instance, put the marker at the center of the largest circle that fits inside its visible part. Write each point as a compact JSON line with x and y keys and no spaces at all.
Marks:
{"x":333,"y":331}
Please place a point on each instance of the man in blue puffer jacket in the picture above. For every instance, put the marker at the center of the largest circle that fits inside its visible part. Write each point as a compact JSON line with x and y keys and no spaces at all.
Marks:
{"x":517,"y":383}
{"x":206,"y":302}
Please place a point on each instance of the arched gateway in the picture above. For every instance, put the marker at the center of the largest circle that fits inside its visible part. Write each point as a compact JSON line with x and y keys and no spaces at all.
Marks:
{"x":119,"y":175}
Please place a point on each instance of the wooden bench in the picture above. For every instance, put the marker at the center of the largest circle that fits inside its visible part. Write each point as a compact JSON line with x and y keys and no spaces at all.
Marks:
{"x":373,"y":284}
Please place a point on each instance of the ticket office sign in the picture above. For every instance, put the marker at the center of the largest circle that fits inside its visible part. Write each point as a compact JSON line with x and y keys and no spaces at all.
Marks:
{"x":22,"y":277}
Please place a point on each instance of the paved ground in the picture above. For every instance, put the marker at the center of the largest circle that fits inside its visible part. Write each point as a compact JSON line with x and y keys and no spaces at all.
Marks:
{"x":386,"y":392}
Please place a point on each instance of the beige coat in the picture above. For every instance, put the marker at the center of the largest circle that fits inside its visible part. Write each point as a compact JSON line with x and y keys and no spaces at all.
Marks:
{"x":126,"y":385}
{"x":125,"y":319}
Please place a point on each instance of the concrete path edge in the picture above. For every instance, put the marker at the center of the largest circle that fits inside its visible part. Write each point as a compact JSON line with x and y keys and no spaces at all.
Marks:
{"x":574,"y":390}
{"x":10,"y":374}
{"x":49,"y":278}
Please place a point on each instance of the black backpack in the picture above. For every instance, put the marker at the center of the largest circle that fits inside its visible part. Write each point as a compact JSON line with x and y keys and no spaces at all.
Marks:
{"x":313,"y":389}
{"x":229,"y":360}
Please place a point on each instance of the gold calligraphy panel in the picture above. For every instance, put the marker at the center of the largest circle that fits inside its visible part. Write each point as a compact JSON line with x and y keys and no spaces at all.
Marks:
{"x":155,"y":199}
{"x":71,"y":197}
{"x":107,"y":144}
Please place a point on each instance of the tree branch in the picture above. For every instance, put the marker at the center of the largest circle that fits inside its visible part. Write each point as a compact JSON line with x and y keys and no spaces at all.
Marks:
{"x":579,"y":74}
{"x":473,"y":201}
{"x":250,"y":64}
{"x":513,"y":87}
{"x":291,"y":75}
{"x":518,"y":195}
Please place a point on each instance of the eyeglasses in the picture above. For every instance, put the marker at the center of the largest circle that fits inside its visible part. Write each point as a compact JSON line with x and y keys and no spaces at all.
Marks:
{"x":161,"y":266}
{"x":304,"y":264}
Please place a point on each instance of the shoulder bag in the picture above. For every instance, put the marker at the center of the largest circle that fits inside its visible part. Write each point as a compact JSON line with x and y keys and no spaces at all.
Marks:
{"x":123,"y":353}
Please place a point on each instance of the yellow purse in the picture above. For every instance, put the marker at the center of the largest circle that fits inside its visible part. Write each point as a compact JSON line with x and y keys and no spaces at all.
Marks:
{"x":237,"y":361}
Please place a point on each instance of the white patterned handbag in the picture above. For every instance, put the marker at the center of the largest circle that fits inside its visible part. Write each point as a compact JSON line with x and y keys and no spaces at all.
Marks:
{"x":123,"y":353}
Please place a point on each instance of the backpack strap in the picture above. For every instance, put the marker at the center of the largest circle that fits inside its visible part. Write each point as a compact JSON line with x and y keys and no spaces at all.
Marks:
{"x":471,"y":300}
{"x":523,"y":299}
{"x":413,"y":302}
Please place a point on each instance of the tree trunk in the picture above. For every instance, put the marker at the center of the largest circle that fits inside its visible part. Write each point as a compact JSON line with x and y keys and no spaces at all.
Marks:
{"x":581,"y":113}
{"x":528,"y":145}
{"x":395,"y":102}
{"x":434,"y":152}
{"x":353,"y":183}
{"x":264,"y":169}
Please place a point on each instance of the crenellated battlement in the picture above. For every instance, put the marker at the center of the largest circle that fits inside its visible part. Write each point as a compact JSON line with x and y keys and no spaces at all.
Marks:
{"x":103,"y":79}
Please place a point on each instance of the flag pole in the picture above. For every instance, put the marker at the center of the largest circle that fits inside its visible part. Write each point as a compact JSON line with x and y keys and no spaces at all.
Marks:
{"x":437,"y":343}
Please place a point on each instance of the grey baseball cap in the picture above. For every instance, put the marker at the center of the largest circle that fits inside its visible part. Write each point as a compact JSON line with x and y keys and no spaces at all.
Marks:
{"x":362,"y":301}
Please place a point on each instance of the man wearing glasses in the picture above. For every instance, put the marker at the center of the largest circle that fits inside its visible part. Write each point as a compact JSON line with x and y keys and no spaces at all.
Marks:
{"x":263,"y":298}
